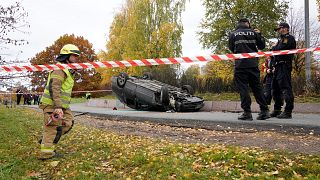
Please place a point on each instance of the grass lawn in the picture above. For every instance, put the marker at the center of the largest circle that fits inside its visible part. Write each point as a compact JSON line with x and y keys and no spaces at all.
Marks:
{"x":219,"y":97}
{"x":95,"y":154}
{"x":236,"y":97}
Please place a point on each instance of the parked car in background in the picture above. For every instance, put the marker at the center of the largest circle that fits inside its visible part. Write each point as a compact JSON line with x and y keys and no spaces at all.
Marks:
{"x":144,"y":93}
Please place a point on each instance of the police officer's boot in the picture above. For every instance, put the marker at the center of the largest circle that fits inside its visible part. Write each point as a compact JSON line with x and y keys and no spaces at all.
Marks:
{"x":263,"y":115}
{"x":275,"y":113}
{"x":285,"y":115}
{"x":245,"y":116}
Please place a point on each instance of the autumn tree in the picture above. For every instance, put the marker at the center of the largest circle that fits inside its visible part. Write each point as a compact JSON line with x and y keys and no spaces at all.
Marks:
{"x":12,"y":19}
{"x":297,"y":29}
{"x":218,"y":76}
{"x":146,"y":29}
{"x":190,"y":76}
{"x":87,"y":79}
{"x":221,"y":17}
{"x":296,"y":22}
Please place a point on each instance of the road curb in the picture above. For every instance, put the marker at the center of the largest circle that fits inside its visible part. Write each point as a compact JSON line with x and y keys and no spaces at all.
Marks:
{"x":235,"y":126}
{"x":300,"y":125}
{"x":229,"y":106}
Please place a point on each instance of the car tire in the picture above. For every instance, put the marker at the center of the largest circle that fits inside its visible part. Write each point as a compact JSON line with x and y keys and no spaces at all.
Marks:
{"x":188,"y":89}
{"x":122,"y":79}
{"x":164,"y":96}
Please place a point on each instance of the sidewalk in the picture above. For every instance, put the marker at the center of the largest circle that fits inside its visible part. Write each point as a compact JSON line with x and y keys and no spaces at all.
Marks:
{"x":301,"y":123}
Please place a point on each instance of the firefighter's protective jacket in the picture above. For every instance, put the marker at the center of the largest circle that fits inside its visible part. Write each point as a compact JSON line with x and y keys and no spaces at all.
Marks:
{"x":58,"y":89}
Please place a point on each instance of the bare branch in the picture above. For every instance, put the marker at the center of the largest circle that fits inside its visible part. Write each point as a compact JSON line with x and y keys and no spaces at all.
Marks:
{"x":12,"y":19}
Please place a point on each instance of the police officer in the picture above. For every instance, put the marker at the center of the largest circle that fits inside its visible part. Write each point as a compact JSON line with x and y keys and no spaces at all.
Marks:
{"x":282,"y":76}
{"x":247,"y":73}
{"x":58,"y":118}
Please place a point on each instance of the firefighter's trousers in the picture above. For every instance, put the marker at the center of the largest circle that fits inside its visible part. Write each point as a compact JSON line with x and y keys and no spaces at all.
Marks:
{"x":53,"y":131}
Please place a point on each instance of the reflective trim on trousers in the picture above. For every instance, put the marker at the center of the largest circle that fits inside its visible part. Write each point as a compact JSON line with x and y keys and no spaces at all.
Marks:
{"x":47,"y":149}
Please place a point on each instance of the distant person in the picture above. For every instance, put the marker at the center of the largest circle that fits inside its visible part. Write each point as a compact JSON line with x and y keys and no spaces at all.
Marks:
{"x":19,"y":94}
{"x":29,"y":97}
{"x":25,"y":98}
{"x":39,"y":99}
{"x":88,"y":95}
{"x":55,"y":102}
{"x":247,"y":73}
{"x":36,"y":99}
{"x":282,"y":75}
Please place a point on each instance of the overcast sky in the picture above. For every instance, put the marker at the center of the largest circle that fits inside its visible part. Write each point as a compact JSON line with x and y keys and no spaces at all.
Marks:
{"x":91,"y":19}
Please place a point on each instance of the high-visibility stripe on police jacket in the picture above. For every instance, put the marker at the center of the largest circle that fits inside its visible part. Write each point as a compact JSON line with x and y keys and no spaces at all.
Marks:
{"x":66,"y":89}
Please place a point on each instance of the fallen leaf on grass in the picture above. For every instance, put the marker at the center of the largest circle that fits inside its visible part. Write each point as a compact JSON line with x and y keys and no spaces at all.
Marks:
{"x":54,"y":163}
{"x":34,"y":174}
{"x":273,"y":173}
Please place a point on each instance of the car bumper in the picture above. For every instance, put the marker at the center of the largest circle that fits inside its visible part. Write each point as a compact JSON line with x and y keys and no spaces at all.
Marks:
{"x":191,"y":106}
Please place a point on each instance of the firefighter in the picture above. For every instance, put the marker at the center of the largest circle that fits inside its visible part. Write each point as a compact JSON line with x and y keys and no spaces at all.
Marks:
{"x":247,"y":73}
{"x":282,"y":76}
{"x":58,"y":118}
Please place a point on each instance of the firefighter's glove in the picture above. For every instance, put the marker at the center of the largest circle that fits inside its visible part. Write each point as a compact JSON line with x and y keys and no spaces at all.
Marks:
{"x":58,"y":112}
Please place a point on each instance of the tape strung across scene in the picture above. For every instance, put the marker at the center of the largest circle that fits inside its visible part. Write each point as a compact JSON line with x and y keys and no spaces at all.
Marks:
{"x":73,"y":92}
{"x":148,"y":62}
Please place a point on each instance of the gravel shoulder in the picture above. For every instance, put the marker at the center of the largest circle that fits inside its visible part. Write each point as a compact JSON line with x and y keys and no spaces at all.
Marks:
{"x":305,"y":144}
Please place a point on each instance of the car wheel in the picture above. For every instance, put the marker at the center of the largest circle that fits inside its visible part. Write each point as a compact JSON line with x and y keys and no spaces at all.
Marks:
{"x":164,"y":96}
{"x":122,"y":79}
{"x":188,"y":89}
{"x":148,"y":75}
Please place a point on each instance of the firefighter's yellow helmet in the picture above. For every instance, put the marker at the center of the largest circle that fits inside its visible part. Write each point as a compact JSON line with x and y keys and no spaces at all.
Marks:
{"x":66,"y":51}
{"x":70,"y":49}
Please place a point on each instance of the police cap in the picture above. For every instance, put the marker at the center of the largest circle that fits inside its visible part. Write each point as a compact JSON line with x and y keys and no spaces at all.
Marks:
{"x":244,"y":20}
{"x":282,"y":25}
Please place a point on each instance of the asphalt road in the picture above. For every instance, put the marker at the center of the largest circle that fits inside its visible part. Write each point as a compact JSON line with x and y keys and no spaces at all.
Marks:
{"x":300,"y":124}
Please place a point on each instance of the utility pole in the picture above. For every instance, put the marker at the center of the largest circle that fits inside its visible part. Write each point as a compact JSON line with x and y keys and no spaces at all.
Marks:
{"x":307,"y":43}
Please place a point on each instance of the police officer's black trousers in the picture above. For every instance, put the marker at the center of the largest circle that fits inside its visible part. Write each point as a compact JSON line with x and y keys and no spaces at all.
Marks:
{"x":282,"y":88}
{"x":245,"y":77}
{"x":18,"y":99}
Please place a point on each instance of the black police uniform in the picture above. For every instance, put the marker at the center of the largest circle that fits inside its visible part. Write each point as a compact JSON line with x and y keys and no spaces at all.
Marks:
{"x":282,"y":76}
{"x":245,"y":40}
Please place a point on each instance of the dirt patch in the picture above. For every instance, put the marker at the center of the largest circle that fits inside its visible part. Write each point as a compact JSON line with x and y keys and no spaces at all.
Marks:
{"x":306,"y":144}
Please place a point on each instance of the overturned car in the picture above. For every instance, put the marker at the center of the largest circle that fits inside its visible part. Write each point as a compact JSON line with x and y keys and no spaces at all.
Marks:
{"x":144,"y":93}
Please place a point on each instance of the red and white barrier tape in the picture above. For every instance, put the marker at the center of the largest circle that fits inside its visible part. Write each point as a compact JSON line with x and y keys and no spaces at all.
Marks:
{"x":73,"y":92}
{"x":108,"y":90}
{"x":148,"y":62}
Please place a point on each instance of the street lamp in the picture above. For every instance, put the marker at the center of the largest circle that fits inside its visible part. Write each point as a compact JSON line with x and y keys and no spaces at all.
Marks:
{"x":307,"y":43}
